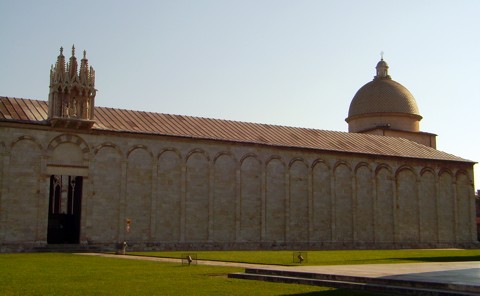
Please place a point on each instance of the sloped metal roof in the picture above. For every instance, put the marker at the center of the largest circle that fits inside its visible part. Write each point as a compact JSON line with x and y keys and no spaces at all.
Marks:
{"x":120,"y":120}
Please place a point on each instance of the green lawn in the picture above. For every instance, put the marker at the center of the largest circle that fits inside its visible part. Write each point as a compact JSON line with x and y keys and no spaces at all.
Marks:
{"x":331,"y":257}
{"x":69,"y":274}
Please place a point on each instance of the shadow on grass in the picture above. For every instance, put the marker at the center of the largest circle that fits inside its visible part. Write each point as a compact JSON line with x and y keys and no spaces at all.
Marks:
{"x":395,"y":260}
{"x":440,"y":259}
{"x":339,"y":292}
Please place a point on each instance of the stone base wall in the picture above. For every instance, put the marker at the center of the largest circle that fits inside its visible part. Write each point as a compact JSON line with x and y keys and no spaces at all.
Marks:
{"x":255,"y":246}
{"x":232,"y":246}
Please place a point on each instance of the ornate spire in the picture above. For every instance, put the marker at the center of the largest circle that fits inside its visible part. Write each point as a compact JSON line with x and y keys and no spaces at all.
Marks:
{"x":57,"y":73}
{"x":91,"y":78}
{"x":84,"y":75}
{"x":73,"y":66}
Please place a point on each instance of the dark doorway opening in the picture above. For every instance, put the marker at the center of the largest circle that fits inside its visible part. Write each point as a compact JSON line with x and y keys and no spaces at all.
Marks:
{"x":64,"y":209}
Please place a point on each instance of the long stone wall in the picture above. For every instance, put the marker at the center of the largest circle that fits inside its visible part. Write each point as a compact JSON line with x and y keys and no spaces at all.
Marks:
{"x":203,"y":194}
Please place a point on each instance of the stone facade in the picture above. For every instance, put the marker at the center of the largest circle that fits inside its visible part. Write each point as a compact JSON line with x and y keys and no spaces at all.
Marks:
{"x":184,"y":193}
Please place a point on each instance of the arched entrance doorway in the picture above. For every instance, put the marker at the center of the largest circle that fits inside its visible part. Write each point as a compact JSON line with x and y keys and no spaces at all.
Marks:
{"x":64,"y":211}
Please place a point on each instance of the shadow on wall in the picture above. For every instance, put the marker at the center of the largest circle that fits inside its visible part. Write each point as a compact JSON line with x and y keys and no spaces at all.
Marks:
{"x":477,"y":207}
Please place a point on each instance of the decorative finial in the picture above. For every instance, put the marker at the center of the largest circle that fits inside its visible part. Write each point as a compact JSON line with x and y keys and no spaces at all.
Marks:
{"x":381,"y":54}
{"x":61,"y":50}
{"x":84,"y":54}
{"x":73,"y":50}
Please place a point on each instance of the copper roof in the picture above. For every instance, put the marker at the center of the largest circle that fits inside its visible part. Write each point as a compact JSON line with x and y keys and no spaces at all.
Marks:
{"x":120,"y":120}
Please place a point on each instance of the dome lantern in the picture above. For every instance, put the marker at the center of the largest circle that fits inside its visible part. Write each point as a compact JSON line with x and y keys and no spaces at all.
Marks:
{"x":382,"y":70}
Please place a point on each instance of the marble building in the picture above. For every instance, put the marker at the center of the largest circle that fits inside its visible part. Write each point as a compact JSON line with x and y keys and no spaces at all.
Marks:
{"x":75,"y":173}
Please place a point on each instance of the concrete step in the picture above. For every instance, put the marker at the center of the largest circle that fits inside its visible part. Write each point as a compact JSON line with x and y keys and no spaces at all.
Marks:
{"x":379,"y":285}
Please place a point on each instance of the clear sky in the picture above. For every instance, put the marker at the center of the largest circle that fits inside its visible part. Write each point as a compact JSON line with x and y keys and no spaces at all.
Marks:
{"x":296,"y":63}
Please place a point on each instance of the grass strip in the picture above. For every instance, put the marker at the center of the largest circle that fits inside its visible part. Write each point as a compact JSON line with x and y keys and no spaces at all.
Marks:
{"x":69,"y":274}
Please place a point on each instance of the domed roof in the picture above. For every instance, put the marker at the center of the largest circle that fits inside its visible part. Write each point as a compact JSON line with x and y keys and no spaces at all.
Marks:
{"x":383,"y":95}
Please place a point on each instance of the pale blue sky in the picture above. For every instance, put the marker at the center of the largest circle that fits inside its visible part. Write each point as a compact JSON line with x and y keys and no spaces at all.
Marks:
{"x":295,"y":63}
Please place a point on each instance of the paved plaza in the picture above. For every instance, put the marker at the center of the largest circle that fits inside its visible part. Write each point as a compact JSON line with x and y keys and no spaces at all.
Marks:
{"x":467,"y":273}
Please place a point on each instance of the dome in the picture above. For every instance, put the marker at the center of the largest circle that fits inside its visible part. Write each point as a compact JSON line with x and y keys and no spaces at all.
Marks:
{"x":385,"y":107}
{"x":382,"y":95}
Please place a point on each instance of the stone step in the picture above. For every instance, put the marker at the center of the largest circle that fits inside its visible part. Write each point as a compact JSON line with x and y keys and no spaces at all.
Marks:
{"x":377,"y":280}
{"x":67,"y":248}
{"x":381,"y":285}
